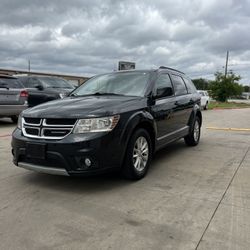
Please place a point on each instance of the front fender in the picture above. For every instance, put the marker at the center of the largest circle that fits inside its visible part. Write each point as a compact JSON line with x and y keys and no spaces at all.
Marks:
{"x":140,"y":118}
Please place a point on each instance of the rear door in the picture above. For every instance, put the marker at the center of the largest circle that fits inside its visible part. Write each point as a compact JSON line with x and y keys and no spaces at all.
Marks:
{"x":183,"y":102}
{"x":10,"y":90}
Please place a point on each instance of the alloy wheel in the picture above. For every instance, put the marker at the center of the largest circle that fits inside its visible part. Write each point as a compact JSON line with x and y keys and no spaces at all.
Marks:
{"x":140,"y":153}
{"x":196,"y":131}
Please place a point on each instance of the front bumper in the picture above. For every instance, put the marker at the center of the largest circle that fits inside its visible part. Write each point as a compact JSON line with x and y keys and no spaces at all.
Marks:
{"x":67,"y":156}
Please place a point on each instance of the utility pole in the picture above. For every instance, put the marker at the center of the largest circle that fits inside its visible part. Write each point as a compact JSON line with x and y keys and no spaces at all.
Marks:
{"x":226,"y":63}
{"x":29,"y":66}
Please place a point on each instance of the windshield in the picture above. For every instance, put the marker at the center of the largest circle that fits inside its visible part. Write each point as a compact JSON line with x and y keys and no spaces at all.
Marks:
{"x":52,"y":82}
{"x":126,"y":83}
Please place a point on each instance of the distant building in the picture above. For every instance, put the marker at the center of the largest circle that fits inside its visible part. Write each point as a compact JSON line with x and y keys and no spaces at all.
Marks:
{"x":76,"y":80}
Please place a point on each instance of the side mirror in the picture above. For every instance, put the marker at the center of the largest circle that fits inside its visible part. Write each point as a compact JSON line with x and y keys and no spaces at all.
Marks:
{"x":39,"y":86}
{"x":164,"y":92}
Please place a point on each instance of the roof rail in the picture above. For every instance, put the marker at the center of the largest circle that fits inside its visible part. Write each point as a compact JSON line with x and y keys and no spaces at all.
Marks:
{"x":163,"y":67}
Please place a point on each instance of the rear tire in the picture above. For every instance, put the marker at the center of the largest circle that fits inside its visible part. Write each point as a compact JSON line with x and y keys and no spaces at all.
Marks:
{"x":194,"y":135}
{"x":14,"y":119}
{"x":138,"y":155}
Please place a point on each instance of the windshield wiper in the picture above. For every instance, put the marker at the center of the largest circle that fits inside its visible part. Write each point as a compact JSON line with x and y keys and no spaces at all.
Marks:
{"x":105,"y":93}
{"x":97,"y":94}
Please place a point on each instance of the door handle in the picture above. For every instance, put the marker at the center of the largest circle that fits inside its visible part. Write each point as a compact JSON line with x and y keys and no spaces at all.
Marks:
{"x":176,"y":103}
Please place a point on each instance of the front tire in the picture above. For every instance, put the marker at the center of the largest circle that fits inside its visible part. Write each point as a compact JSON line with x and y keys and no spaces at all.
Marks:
{"x":138,"y":155}
{"x":193,"y":138}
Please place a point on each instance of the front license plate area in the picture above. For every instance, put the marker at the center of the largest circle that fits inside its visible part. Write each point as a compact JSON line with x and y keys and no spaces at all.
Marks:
{"x":35,"y":150}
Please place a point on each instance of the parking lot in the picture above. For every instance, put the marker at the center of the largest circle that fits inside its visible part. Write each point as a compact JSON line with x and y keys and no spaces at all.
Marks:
{"x":192,"y":198}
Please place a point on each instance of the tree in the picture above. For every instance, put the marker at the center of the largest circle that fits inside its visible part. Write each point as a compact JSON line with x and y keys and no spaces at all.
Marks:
{"x":224,"y":87}
{"x":246,"y":88}
{"x":201,"y":83}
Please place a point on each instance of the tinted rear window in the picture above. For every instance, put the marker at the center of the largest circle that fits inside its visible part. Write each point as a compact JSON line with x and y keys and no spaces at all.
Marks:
{"x":179,"y":85}
{"x":190,"y":86}
{"x":54,"y":82}
{"x":11,"y":83}
{"x":24,"y":81}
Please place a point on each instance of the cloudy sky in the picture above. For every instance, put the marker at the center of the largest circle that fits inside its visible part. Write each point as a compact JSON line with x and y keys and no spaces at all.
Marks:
{"x":86,"y":37}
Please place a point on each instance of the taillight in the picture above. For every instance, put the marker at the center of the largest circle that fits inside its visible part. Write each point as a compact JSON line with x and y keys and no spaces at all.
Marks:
{"x":24,"y":93}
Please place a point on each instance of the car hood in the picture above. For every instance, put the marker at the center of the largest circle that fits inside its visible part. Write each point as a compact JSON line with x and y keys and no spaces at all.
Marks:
{"x":88,"y":106}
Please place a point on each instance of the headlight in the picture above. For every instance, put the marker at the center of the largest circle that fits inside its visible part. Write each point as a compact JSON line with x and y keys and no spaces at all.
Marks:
{"x":103,"y":124}
{"x":19,"y":122}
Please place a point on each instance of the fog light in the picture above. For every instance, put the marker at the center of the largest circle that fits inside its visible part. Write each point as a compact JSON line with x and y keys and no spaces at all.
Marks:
{"x":88,"y":162}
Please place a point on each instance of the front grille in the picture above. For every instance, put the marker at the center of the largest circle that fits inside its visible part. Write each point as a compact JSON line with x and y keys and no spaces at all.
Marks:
{"x":60,"y":121}
{"x":47,"y":128}
{"x":55,"y":132}
{"x":32,"y":131}
{"x":32,"y":120}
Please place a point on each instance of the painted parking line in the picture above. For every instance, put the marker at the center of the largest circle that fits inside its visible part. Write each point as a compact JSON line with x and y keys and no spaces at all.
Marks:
{"x":230,"y":129}
{"x":7,"y":135}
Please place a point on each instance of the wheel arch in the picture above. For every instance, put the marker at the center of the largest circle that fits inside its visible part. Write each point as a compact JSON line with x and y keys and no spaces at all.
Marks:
{"x":142,"y":120}
{"x":195,"y":112}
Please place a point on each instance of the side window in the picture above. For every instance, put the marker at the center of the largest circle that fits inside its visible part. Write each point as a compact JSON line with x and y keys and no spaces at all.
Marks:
{"x":190,"y":86}
{"x":33,"y":82}
{"x":27,"y":82}
{"x":24,"y":81}
{"x":163,"y":86}
{"x":11,"y":83}
{"x":179,"y":85}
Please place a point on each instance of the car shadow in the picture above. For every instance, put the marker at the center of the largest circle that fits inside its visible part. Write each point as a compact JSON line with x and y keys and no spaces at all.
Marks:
{"x":81,"y":185}
{"x":169,"y":151}
{"x":99,"y":183}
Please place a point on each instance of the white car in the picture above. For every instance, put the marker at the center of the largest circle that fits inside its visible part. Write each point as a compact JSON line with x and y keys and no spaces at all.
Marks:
{"x":204,"y":99}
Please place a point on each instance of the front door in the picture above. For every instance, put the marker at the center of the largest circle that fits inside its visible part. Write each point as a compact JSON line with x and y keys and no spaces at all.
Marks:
{"x":163,"y":109}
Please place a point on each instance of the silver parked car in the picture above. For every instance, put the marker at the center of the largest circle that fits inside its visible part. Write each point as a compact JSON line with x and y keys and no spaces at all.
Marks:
{"x":13,"y":97}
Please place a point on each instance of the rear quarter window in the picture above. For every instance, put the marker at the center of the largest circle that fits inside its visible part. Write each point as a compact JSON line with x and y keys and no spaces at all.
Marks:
{"x":179,"y":85}
{"x":190,"y":86}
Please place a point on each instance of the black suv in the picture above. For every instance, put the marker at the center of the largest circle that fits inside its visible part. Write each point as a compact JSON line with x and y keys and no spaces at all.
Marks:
{"x":45,"y":88}
{"x":113,"y":121}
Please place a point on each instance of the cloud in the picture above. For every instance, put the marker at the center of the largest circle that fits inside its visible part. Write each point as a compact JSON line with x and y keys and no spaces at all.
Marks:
{"x":89,"y":37}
